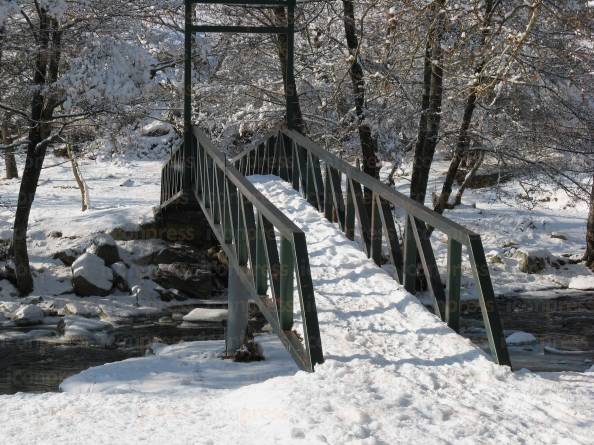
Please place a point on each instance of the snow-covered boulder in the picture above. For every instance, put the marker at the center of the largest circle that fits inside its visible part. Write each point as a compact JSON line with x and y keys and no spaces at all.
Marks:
{"x":90,"y":276}
{"x":83,"y":310}
{"x":521,"y":338}
{"x":194,"y":280}
{"x":105,"y":247}
{"x":67,"y":256}
{"x":28,"y":315}
{"x":582,"y":282}
{"x":203,"y":314}
{"x":120,"y":273}
{"x":532,"y":261}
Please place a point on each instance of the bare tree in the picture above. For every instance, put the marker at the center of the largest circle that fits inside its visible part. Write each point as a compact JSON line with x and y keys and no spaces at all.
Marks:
{"x":368,"y":143}
{"x":43,"y":104}
{"x":428,"y":131}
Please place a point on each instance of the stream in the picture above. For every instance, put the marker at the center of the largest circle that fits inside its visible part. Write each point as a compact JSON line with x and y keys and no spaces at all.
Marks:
{"x":564,"y":328}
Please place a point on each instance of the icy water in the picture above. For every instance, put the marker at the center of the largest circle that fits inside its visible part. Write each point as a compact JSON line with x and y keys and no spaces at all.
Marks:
{"x":40,"y":365}
{"x":564,"y":328}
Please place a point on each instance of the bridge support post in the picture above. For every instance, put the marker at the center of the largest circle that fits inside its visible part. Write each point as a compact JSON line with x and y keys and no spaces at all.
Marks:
{"x":237,"y":320}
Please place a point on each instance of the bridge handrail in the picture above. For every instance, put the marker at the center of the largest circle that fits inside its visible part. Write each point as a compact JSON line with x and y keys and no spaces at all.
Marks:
{"x":366,"y":204}
{"x":280,"y":221}
{"x":246,"y":224}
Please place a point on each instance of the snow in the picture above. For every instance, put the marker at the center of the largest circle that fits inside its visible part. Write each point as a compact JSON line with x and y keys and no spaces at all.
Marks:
{"x":30,"y":314}
{"x":521,"y":338}
{"x":180,"y":368}
{"x":582,"y":282}
{"x":202,"y":314}
{"x":93,"y":269}
{"x":394,"y":374}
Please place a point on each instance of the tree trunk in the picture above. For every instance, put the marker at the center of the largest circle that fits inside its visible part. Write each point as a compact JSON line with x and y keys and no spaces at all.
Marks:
{"x":368,"y":143}
{"x":9,"y":160}
{"x":80,"y":182}
{"x":477,"y":163}
{"x":589,"y":257}
{"x":41,"y":112}
{"x":430,"y":119}
{"x":291,"y":95}
{"x":463,"y":138}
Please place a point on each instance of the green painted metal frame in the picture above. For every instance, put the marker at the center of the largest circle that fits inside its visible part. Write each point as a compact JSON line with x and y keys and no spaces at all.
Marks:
{"x":246,"y":225}
{"x":366,"y":203}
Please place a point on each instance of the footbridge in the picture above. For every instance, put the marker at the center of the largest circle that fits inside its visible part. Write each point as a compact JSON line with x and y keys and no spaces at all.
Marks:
{"x":269,"y":253}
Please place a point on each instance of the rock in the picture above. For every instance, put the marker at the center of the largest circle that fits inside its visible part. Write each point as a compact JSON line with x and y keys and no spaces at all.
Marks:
{"x":521,"y":338}
{"x":174,"y":253}
{"x":532,"y":261}
{"x":67,"y":256}
{"x":90,"y":276}
{"x":582,"y":282}
{"x":55,"y":234}
{"x":82,"y":310}
{"x":120,"y":273}
{"x":168,"y":295}
{"x":127,"y":183}
{"x":28,"y":315}
{"x":105,"y":248}
{"x":8,"y":273}
{"x":494,"y":258}
{"x":203,"y":314}
{"x":191,"y":279}
{"x":558,"y":235}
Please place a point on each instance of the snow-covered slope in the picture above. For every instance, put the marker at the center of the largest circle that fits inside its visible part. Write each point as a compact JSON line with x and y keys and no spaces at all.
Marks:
{"x":394,"y":374}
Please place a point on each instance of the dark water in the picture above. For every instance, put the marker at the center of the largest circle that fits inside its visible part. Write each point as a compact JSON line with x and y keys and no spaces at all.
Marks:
{"x":562,"y":324}
{"x":564,"y":327}
{"x":40,"y":365}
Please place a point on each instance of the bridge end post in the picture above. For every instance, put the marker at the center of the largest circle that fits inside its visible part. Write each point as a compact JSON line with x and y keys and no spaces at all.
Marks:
{"x":237,"y":320}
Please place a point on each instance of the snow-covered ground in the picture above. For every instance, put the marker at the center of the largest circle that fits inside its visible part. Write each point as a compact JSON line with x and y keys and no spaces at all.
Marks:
{"x":394,"y":374}
{"x":554,"y":226}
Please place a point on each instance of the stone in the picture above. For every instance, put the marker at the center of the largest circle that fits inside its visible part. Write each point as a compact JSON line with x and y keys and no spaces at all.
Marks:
{"x":67,"y":256}
{"x":168,"y":295}
{"x":82,"y":310}
{"x":558,"y":235}
{"x":91,"y":277}
{"x":120,"y":274}
{"x":532,"y":262}
{"x":174,"y":253}
{"x":28,"y":315}
{"x":105,"y":248}
{"x":521,"y":338}
{"x":55,"y":234}
{"x":191,"y":279}
{"x":204,"y":314}
{"x":494,"y":258}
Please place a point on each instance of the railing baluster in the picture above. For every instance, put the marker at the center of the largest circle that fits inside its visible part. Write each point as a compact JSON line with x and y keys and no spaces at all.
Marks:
{"x":453,"y":284}
{"x":328,"y":207}
{"x":487,"y":301}
{"x":261,"y":262}
{"x":387,"y":221}
{"x":349,"y":223}
{"x":273,"y":261}
{"x":362,"y":215}
{"x":429,"y":265}
{"x":309,"y":315}
{"x":376,"y":230}
{"x":410,"y":258}
{"x":287,"y":268}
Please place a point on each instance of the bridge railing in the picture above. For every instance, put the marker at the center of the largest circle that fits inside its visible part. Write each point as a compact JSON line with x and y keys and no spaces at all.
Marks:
{"x":172,"y":177}
{"x":246,"y":225}
{"x":358,"y":202}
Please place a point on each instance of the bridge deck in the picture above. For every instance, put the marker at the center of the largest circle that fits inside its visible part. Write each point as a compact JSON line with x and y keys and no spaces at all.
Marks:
{"x":362,"y":311}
